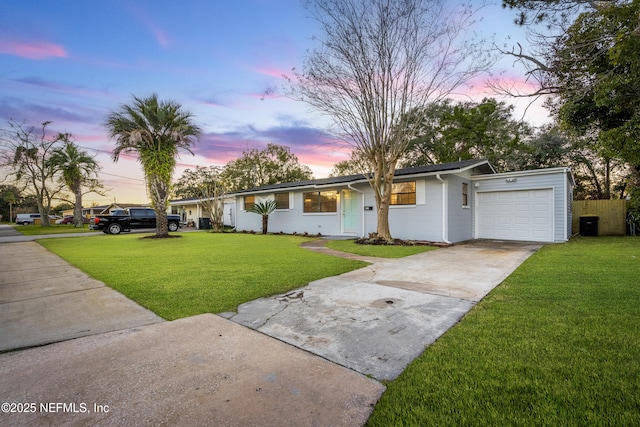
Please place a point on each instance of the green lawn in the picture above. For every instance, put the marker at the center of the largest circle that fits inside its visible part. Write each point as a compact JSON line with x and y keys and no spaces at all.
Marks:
{"x":383,"y":251}
{"x":198,"y":272}
{"x":36,"y":230}
{"x":557,"y":344}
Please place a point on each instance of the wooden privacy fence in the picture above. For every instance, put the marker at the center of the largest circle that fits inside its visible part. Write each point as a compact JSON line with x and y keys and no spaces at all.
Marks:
{"x":612,"y":215}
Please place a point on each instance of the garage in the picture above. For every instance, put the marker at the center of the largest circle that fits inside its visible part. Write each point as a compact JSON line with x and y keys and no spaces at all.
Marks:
{"x":516,"y":215}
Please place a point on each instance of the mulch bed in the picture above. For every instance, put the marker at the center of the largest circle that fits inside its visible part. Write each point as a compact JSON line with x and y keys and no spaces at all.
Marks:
{"x":400,"y":242}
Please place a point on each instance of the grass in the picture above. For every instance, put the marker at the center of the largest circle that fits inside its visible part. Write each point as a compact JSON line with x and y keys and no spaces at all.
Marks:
{"x":198,"y":272}
{"x":382,"y":251}
{"x":557,"y":343}
{"x":36,"y":230}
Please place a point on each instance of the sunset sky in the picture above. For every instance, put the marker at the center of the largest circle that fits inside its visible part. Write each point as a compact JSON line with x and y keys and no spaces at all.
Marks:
{"x":72,"y":62}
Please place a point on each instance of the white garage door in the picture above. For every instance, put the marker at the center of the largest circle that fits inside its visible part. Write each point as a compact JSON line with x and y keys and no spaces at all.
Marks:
{"x":516,"y":215}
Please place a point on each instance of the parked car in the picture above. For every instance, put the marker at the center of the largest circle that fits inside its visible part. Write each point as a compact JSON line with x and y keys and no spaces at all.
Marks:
{"x":26,"y":218}
{"x":68,"y":219}
{"x":128,"y":219}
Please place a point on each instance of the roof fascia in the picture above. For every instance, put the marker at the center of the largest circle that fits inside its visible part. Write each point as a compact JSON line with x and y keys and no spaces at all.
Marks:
{"x":525,"y":172}
{"x":362,"y":180}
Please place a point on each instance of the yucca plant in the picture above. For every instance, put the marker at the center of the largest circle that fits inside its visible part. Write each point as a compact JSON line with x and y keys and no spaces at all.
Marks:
{"x":265,"y":209}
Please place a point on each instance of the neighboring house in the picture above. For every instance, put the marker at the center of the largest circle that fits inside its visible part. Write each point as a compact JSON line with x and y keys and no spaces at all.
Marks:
{"x":449,"y":202}
{"x":193,"y":210}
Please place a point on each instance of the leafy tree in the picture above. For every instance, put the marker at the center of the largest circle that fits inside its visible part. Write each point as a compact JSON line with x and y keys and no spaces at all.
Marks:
{"x":264,"y":209}
{"x":78,"y":170}
{"x":156,"y":131}
{"x":450,"y":132}
{"x":549,"y":147}
{"x":9,"y":196}
{"x":64,"y":206}
{"x":273,"y":165}
{"x":378,"y":60}
{"x":26,"y":153}
{"x":354,"y":166}
{"x":587,"y":56}
{"x":600,"y":95}
{"x":546,"y":22}
{"x":207,"y":185}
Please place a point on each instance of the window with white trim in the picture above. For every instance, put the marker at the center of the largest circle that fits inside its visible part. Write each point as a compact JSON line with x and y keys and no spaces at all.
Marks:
{"x":320,"y":201}
{"x":403,"y":193}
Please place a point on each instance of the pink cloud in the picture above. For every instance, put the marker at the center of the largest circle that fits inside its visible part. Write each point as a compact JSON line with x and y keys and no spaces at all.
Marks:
{"x":158,"y":33}
{"x":36,"y":50}
{"x":516,"y":84}
{"x":272,"y":72}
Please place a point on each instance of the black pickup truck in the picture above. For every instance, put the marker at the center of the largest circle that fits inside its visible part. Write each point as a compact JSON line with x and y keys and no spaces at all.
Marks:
{"x":128,"y":219}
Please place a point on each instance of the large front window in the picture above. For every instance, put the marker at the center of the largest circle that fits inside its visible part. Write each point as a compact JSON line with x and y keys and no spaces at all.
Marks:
{"x":321,"y":201}
{"x":403,"y":193}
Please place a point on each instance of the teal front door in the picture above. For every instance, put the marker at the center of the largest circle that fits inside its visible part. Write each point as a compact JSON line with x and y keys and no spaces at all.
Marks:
{"x":349,"y":212}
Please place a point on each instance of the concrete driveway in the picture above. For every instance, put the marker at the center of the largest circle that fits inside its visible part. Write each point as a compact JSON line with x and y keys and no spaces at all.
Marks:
{"x":376,"y":320}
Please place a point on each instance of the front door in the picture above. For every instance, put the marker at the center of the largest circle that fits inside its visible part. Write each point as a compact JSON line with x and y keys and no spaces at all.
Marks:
{"x":349,"y":212}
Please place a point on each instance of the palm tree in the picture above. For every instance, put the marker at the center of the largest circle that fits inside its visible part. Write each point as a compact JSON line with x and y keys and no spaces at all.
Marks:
{"x":78,"y":168}
{"x":265,"y":209}
{"x":155,"y":130}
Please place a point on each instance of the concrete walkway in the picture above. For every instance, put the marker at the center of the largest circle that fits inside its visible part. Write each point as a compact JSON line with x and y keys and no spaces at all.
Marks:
{"x":206,"y":370}
{"x":43,"y":300}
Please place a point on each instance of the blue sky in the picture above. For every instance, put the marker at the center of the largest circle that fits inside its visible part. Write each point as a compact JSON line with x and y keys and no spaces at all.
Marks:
{"x":73,"y":61}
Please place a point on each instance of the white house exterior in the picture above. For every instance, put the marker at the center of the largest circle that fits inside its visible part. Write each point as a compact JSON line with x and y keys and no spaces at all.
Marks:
{"x":451,"y":202}
{"x":192,"y":210}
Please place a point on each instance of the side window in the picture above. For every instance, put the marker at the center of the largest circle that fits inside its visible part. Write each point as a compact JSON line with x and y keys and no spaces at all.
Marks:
{"x":403,"y":193}
{"x":465,"y":194}
{"x":282,"y":200}
{"x":249,"y":202}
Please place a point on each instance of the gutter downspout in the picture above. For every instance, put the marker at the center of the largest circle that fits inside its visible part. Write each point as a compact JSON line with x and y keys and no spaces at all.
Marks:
{"x":444,"y":208}
{"x":361,"y":192}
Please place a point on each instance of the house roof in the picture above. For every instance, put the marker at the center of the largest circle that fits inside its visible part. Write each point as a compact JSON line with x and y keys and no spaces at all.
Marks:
{"x":482,"y":165}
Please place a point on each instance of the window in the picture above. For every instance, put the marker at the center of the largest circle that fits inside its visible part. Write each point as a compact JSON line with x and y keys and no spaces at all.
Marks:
{"x":321,"y":201}
{"x":249,"y":202}
{"x":282,"y":200}
{"x":403,"y":193}
{"x":465,"y":194}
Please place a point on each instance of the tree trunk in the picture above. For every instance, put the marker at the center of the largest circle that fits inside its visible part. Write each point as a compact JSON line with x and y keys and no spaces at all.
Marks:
{"x":383,"y":181}
{"x":159,"y":194}
{"x":44,"y":214}
{"x":162,"y":227}
{"x":383,"y":222}
{"x":265,"y":223}
{"x":77,"y":210}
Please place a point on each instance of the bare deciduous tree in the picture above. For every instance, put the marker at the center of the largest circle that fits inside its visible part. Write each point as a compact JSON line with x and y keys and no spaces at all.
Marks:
{"x":25,"y":154}
{"x":206,"y":184}
{"x":377,"y":61}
